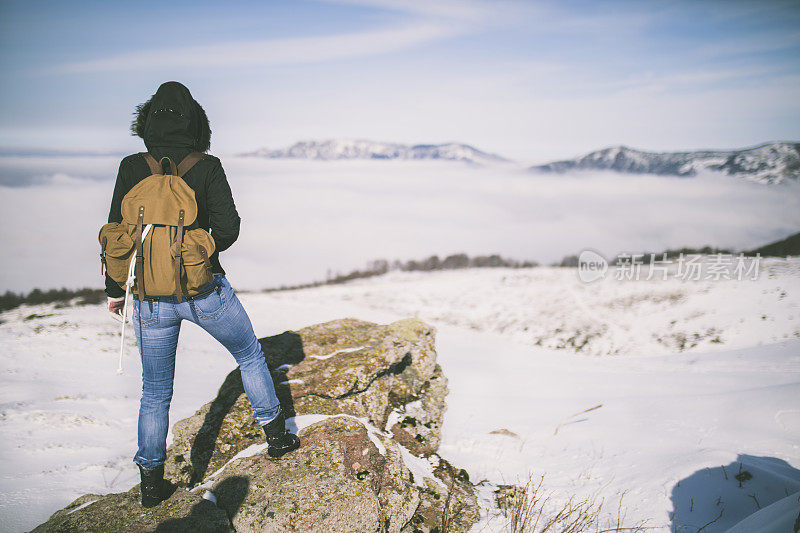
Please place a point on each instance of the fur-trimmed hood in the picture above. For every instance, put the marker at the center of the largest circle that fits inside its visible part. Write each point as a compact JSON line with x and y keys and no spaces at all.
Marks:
{"x":171,"y":117}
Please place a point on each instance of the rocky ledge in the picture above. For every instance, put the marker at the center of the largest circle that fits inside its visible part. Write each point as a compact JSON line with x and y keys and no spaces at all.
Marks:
{"x":368,"y":402}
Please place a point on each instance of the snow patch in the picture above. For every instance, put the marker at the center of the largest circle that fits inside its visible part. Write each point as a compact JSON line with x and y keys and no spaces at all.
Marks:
{"x":81,"y":506}
{"x":421,"y":468}
{"x":393,"y":418}
{"x":343,"y":350}
{"x":253,"y":449}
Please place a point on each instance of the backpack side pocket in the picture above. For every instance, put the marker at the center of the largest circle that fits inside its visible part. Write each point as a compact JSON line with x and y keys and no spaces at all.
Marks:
{"x":196,"y":272}
{"x":116,"y":248}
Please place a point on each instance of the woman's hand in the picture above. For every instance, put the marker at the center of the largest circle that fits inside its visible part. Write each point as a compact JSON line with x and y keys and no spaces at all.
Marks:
{"x":115,"y":306}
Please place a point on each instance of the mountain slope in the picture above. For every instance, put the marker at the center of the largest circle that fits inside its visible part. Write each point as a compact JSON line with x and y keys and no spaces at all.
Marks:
{"x":359,"y":149}
{"x":785,"y":247}
{"x":767,"y":163}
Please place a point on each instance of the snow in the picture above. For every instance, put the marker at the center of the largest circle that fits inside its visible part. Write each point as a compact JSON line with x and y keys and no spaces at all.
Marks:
{"x":671,"y":432}
{"x":550,"y":307}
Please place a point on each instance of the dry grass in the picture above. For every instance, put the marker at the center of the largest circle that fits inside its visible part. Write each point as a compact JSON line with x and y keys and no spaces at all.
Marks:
{"x":530,"y":509}
{"x":451,"y":510}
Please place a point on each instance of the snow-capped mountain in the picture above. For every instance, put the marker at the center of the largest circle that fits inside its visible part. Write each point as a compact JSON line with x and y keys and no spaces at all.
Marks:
{"x":360,"y":149}
{"x":767,"y":163}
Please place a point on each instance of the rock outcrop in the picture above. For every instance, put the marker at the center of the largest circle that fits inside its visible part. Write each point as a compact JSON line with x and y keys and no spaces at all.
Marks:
{"x":368,"y":401}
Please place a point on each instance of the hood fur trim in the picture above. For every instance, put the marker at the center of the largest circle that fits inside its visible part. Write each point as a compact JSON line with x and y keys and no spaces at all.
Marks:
{"x":202,"y":135}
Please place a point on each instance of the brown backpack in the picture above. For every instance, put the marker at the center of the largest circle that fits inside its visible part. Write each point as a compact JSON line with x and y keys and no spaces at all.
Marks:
{"x":158,"y":249}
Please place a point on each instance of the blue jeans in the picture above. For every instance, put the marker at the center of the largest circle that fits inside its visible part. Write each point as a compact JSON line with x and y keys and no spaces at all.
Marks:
{"x":157,"y":323}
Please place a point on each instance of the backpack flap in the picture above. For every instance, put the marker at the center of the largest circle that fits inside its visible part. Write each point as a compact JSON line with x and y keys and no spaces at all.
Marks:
{"x":163,"y":197}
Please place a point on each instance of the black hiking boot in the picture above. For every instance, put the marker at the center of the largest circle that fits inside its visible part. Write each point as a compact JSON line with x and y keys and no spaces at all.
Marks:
{"x":279,"y":440}
{"x":153,"y":487}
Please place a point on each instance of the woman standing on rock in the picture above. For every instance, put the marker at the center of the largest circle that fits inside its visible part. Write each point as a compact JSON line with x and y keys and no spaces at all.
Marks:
{"x":174,"y":125}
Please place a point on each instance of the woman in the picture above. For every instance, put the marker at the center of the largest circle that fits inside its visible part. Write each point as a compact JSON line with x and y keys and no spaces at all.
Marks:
{"x":173,"y":124}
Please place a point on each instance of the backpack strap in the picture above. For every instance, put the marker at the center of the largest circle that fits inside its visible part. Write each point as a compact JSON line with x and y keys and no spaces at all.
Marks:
{"x":204,"y":255}
{"x":188,"y":162}
{"x":179,"y":258}
{"x":139,"y":268}
{"x":155,"y":168}
{"x":103,"y":264}
{"x":183,"y":167}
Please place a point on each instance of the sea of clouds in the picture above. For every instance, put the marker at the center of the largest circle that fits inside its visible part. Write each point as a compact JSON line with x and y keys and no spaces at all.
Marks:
{"x":302,"y":218}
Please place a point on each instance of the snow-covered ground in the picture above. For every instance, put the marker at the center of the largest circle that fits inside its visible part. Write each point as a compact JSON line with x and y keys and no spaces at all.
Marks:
{"x":550,"y":307}
{"x":677,"y":421}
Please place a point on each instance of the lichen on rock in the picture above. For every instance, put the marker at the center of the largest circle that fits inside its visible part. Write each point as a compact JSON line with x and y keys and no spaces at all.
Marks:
{"x":183,"y":512}
{"x":344,"y":366}
{"x":337,"y":481}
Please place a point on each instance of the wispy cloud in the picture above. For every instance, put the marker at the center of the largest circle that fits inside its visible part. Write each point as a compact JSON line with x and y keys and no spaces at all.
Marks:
{"x":533,"y":80}
{"x":273,"y":52}
{"x":474,"y":11}
{"x":694,"y":81}
{"x":772,"y":41}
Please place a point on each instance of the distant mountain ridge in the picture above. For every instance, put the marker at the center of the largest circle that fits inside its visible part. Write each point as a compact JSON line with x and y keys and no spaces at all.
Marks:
{"x":334,"y":149}
{"x":771,"y":162}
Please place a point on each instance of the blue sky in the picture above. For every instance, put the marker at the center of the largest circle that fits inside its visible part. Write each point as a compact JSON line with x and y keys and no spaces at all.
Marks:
{"x":531,"y":80}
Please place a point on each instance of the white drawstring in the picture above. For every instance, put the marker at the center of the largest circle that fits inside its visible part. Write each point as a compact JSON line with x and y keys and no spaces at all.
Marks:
{"x":128,"y":284}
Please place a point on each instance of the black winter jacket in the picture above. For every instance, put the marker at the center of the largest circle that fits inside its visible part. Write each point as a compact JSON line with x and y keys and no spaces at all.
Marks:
{"x":173,"y":125}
